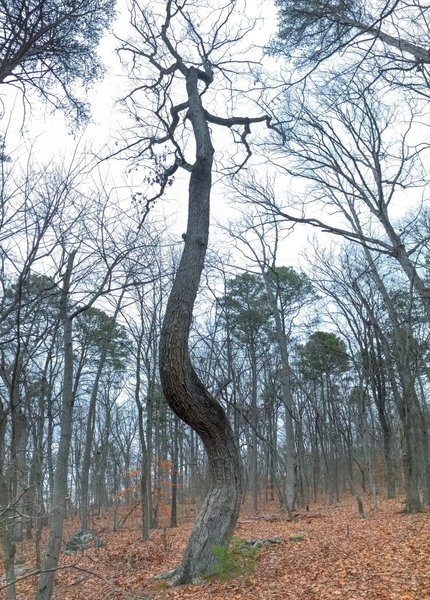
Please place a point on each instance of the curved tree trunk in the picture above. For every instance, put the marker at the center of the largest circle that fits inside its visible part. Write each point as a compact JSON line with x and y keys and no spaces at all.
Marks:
{"x":183,"y":390}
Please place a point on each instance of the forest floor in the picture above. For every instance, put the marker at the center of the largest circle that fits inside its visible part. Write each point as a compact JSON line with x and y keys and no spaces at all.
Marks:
{"x":386,"y":556}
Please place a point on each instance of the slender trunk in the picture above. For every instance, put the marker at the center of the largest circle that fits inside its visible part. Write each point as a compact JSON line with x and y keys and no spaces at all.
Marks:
{"x":193,"y":468}
{"x":101,"y":499}
{"x":425,"y":420}
{"x":49,"y":445}
{"x":253,"y":434}
{"x":367,"y":448}
{"x":410,"y":455}
{"x":144,"y":465}
{"x":86,"y":456}
{"x":50,"y":561}
{"x":426,"y":464}
{"x":150,"y":451}
{"x":174,"y":481}
{"x":290,"y":446}
{"x":409,"y":440}
{"x":407,"y":402}
{"x":380,"y":397}
{"x":19,"y":468}
{"x":6,"y":523}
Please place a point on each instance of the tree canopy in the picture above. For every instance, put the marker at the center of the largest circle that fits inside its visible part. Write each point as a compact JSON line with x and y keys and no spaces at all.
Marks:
{"x":51,"y":46}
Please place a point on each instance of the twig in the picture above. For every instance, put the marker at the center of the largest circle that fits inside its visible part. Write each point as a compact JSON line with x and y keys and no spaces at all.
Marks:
{"x":75,"y":566}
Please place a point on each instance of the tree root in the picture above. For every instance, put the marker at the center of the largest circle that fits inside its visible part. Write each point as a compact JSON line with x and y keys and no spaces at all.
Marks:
{"x":175,"y":577}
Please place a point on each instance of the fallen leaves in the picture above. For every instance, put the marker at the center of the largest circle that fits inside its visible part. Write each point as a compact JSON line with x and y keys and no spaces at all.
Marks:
{"x":385,"y":556}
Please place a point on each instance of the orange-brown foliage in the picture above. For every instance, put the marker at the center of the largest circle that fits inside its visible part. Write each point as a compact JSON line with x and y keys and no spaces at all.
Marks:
{"x":385,"y":556}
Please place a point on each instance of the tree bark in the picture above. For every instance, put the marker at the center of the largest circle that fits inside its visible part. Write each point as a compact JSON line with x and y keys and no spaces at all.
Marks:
{"x":6,"y":523}
{"x":50,"y":561}
{"x":145,"y":485}
{"x":290,"y":446}
{"x":89,"y":434}
{"x":174,"y":432}
{"x":183,"y":390}
{"x":253,"y":458}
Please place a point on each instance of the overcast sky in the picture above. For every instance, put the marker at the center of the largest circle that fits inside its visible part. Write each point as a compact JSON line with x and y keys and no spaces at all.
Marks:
{"x":47,"y":135}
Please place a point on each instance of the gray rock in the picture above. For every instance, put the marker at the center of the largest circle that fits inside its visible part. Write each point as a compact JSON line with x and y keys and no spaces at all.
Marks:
{"x":259,"y":542}
{"x":82,"y":539}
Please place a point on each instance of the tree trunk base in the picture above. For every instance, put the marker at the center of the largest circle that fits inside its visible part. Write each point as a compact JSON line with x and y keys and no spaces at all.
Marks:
{"x":176,"y":577}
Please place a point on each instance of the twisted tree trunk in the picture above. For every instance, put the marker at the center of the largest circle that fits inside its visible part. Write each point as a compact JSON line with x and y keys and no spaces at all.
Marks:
{"x":183,"y":390}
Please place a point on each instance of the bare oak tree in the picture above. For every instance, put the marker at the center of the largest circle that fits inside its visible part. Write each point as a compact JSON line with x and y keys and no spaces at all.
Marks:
{"x":179,"y":50}
{"x":358,"y":160}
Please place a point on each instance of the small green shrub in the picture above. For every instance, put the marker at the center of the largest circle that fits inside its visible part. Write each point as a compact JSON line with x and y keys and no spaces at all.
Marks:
{"x":236,"y":560}
{"x":296,"y":537}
